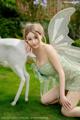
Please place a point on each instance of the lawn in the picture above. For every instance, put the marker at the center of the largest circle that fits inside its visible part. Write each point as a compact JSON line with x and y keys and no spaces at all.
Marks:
{"x":32,"y":110}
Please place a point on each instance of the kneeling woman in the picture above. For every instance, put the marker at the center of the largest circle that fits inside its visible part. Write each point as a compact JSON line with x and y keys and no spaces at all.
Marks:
{"x":55,"y":73}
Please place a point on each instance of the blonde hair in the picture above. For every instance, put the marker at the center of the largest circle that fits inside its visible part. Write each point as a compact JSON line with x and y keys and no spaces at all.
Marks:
{"x":34,"y":28}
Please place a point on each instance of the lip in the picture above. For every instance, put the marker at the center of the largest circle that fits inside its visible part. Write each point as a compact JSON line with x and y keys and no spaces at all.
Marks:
{"x":35,"y":46}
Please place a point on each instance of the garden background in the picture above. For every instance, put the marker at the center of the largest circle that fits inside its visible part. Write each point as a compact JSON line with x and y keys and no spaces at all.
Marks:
{"x":13,"y":16}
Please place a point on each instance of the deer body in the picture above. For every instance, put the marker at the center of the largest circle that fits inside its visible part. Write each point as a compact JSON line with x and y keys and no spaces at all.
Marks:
{"x":14,"y":55}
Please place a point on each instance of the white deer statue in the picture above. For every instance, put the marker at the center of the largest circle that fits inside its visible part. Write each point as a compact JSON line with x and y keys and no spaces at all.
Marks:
{"x":14,"y":54}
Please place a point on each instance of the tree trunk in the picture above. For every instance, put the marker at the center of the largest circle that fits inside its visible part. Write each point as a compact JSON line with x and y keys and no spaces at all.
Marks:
{"x":59,"y":5}
{"x":21,"y":6}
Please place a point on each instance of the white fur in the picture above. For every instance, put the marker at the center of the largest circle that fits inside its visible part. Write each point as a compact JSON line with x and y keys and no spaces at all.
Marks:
{"x":14,"y":55}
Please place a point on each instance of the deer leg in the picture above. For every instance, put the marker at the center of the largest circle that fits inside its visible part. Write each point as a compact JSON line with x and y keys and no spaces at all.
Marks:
{"x":27,"y":78}
{"x":20,"y":73}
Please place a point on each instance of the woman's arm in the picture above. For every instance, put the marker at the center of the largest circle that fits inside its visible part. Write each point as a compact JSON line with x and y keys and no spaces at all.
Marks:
{"x":54,"y":59}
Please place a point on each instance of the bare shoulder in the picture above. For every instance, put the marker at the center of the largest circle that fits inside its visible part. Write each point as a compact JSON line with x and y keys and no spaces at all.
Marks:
{"x":51,"y":51}
{"x":49,"y":48}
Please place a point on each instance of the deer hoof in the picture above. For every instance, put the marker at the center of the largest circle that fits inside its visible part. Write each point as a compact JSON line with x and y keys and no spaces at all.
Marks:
{"x":26,"y":99}
{"x":13,"y":103}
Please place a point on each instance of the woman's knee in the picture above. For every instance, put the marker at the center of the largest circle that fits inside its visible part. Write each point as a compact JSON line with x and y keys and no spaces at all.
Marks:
{"x":44,"y":100}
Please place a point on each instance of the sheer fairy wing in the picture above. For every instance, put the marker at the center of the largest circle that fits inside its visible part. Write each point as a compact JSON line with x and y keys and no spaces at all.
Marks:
{"x":58,"y":36}
{"x":58,"y":26}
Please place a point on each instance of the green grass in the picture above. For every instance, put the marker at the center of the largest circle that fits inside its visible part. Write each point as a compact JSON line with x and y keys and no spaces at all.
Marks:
{"x":33,"y":110}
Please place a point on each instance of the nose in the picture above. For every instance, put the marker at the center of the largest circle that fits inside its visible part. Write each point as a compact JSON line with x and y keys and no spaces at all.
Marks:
{"x":33,"y":41}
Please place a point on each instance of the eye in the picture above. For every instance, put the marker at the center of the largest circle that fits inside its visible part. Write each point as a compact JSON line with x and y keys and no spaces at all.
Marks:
{"x":29,"y":39}
{"x":35,"y":37}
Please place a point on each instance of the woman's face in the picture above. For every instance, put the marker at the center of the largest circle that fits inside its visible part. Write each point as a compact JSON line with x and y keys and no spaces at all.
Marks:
{"x":33,"y":40}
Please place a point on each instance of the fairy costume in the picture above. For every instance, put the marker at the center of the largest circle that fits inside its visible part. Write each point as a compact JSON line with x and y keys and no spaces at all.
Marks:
{"x":69,"y":55}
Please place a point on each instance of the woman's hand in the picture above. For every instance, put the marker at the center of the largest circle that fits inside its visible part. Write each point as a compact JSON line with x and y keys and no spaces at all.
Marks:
{"x":65,"y":102}
{"x":28,"y":48}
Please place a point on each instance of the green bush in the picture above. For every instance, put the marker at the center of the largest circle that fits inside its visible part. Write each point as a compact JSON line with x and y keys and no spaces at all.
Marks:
{"x":74,"y":25}
{"x":9,"y":21}
{"x":7,"y":11}
{"x":10,"y":28}
{"x":76,"y":43}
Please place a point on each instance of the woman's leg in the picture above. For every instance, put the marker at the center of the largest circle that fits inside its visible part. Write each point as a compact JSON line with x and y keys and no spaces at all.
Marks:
{"x":74,"y":98}
{"x":51,"y":96}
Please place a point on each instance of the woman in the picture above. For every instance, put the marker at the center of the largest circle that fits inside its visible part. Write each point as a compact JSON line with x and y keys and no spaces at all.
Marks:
{"x":52,"y":67}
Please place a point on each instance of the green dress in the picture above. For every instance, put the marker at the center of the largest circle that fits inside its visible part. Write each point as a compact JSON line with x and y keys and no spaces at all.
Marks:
{"x":49,"y":78}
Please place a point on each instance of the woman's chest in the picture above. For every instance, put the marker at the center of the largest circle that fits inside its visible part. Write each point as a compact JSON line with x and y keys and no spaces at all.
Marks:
{"x":47,"y":69}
